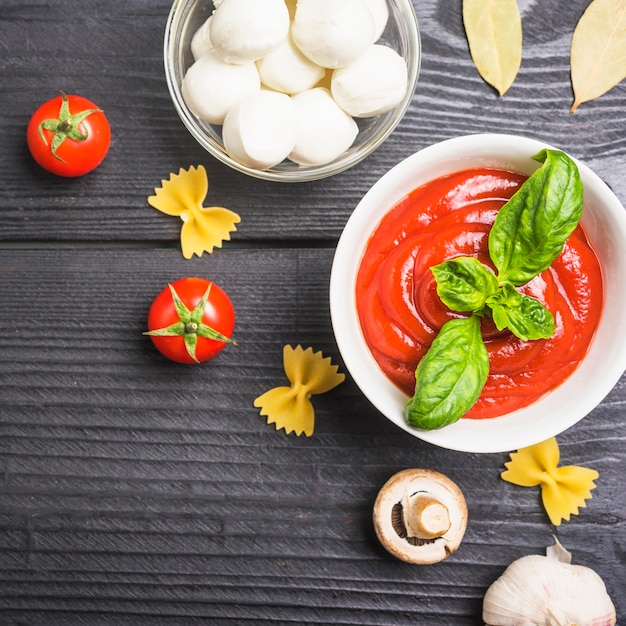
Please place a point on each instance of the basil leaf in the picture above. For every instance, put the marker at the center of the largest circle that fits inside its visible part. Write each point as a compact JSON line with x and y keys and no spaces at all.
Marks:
{"x":464,"y":283}
{"x":524,"y":316}
{"x":531,"y":228}
{"x":450,"y":376}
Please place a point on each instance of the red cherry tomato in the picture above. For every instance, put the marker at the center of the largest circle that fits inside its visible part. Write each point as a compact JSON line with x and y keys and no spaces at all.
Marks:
{"x":191,"y":320}
{"x":68,"y":135}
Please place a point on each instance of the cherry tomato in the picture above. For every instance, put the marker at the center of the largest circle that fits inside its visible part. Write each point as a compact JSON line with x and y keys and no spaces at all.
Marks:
{"x":191,"y":320}
{"x":68,"y":135}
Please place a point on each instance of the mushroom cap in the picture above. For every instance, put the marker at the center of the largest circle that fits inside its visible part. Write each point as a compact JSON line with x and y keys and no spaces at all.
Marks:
{"x":388,"y":515}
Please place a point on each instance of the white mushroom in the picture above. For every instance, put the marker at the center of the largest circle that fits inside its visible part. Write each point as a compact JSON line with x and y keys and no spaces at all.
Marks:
{"x":538,"y":590}
{"x":420,"y":516}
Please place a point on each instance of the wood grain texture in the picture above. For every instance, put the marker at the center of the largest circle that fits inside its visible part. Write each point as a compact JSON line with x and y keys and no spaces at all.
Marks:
{"x":114,"y":56}
{"x":137,"y":491}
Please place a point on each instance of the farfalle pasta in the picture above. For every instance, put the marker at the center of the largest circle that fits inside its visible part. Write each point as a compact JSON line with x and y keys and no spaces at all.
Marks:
{"x":183,"y":195}
{"x":290,"y":407}
{"x":563,"y":489}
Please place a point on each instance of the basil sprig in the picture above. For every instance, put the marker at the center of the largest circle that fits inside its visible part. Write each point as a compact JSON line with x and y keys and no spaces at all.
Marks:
{"x":528,"y":234}
{"x":531,"y":228}
{"x":450,"y":376}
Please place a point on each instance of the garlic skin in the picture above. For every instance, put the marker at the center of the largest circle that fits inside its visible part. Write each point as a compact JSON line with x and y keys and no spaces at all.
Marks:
{"x":539,"y":590}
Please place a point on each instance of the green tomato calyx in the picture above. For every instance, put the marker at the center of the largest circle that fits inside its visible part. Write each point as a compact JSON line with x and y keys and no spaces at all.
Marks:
{"x":66,"y":126}
{"x":190,"y":325}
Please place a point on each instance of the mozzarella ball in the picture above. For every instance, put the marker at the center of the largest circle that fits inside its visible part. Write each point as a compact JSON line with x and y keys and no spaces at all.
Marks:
{"x":211,"y":87}
{"x":243,"y":31}
{"x":291,"y":7}
{"x":323,"y":130}
{"x":201,"y":40}
{"x":288,"y":70}
{"x":259,"y":131}
{"x":380,"y":12}
{"x":373,"y":84}
{"x":332,"y":33}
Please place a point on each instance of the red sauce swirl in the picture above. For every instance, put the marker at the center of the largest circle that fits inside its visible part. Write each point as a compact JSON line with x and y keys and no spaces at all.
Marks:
{"x":401,"y":313}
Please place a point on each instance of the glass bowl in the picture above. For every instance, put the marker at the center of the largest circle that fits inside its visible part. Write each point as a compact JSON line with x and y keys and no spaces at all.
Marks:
{"x":401,"y":34}
{"x":604,"y":220}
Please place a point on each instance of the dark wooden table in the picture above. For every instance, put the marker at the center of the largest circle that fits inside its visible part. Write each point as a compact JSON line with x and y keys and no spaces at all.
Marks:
{"x":136,"y":491}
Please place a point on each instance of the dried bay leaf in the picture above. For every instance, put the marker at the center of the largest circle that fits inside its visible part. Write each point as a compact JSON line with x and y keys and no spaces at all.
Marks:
{"x":598,"y":55}
{"x":494,"y":34}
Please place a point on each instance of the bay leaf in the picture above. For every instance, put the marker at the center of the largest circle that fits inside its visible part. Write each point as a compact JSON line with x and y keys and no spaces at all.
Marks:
{"x":598,"y":54}
{"x":494,"y":34}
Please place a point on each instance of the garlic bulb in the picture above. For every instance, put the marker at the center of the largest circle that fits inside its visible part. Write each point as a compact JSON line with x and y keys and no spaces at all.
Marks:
{"x":540,"y":590}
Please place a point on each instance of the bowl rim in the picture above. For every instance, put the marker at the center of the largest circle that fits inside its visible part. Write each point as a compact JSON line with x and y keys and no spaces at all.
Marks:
{"x":510,"y":431}
{"x":390,"y":120}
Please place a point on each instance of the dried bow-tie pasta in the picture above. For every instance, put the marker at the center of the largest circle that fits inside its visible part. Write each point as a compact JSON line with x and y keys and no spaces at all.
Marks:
{"x":290,"y":407}
{"x":204,"y":228}
{"x":563,"y":489}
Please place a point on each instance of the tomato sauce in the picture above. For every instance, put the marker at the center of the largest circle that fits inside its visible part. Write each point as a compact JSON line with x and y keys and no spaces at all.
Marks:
{"x":400,"y":312}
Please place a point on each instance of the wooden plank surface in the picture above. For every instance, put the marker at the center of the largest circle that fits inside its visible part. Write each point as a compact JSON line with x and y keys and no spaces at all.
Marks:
{"x":137,"y":491}
{"x":113,"y":54}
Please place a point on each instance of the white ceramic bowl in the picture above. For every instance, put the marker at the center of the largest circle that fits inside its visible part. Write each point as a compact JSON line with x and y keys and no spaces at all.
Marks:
{"x":401,"y":34}
{"x":604,"y":220}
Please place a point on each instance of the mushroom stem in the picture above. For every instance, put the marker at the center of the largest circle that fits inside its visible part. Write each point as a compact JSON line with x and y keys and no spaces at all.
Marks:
{"x":425,"y":517}
{"x":420,"y":516}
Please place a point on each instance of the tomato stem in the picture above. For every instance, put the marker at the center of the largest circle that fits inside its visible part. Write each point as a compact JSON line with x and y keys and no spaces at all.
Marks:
{"x":190,"y":325}
{"x":66,"y":126}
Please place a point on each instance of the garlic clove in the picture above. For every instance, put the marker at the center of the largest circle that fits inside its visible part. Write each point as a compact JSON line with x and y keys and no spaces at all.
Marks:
{"x":539,"y":590}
